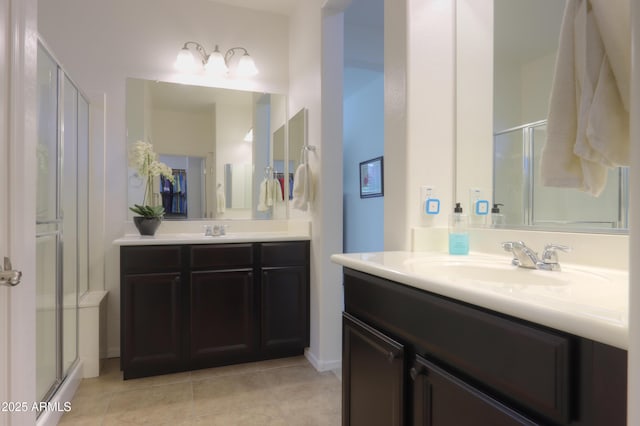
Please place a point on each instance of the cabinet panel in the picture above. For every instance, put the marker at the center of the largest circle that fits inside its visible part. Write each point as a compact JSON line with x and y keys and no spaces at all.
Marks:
{"x":285,"y":253}
{"x":526,"y":364}
{"x":224,"y":256}
{"x":373,"y":377}
{"x":285,"y":313}
{"x":223,"y":316}
{"x":139,"y":259}
{"x":152,"y":335}
{"x":441,"y":399}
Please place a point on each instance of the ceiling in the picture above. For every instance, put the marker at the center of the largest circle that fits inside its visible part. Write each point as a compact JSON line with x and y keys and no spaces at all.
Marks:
{"x":283,"y":7}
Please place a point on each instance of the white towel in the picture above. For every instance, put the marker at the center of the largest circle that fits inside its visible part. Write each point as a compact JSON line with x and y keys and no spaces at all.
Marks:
{"x":270,"y":194}
{"x":588,"y":128}
{"x":262,"y":197}
{"x":302,"y":187}
{"x":221,"y":202}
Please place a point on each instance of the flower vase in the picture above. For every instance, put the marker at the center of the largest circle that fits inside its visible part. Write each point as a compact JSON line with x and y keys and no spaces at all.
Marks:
{"x":147,"y":225}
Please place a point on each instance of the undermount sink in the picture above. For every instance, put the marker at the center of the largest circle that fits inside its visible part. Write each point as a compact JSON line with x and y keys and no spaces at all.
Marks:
{"x":498,"y":271}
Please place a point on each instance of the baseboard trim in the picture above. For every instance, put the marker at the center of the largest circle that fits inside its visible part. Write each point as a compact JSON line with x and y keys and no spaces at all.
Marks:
{"x":113,"y":353}
{"x":320,"y":365}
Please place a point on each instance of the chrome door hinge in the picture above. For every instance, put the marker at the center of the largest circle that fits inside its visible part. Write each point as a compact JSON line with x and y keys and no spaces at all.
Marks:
{"x":8,"y":276}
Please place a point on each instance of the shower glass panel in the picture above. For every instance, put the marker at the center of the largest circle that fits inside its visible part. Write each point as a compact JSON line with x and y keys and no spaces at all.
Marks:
{"x":61,"y":222}
{"x":46,"y":315}
{"x":517,"y":154}
{"x":47,"y":228}
{"x":69,"y":195}
{"x":508,"y":180}
{"x":570,"y":208}
{"x":83,"y":195}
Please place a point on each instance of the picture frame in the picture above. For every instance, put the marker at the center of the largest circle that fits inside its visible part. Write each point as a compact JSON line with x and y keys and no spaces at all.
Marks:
{"x":372,"y":178}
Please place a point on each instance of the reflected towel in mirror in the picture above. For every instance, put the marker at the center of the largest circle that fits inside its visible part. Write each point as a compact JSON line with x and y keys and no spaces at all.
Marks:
{"x":588,"y":125}
{"x":270,"y":194}
{"x":302,"y":187}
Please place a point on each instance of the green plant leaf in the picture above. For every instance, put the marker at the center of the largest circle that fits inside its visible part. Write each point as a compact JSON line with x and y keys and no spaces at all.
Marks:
{"x":148,"y":211}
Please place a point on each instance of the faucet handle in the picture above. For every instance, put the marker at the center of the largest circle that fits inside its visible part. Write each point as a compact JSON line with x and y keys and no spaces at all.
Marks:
{"x":509,"y":246}
{"x":550,"y":254}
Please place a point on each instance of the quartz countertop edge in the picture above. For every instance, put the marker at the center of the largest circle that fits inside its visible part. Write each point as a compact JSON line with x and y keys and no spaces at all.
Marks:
{"x":240,"y":237}
{"x":601,"y":324}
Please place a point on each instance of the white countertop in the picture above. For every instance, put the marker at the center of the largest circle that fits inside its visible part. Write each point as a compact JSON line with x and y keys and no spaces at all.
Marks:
{"x":192,"y":238}
{"x":584,"y":301}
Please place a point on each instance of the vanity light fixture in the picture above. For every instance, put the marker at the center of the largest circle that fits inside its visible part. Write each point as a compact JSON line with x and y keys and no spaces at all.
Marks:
{"x":215,"y":63}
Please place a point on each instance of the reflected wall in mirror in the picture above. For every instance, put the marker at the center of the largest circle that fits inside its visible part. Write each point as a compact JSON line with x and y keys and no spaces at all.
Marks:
{"x":506,"y":51}
{"x":214,"y":139}
{"x":297,"y":140}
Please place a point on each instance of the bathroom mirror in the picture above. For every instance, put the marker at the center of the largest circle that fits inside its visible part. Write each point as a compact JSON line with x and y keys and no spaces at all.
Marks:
{"x":217,"y":141}
{"x":297,"y":140}
{"x":505,"y":59}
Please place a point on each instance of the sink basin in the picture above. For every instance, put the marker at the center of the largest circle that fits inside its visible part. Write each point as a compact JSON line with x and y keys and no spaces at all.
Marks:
{"x":499,"y":271}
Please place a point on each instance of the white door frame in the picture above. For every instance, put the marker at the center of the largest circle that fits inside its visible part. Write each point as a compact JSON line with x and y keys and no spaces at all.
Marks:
{"x":18,"y":121}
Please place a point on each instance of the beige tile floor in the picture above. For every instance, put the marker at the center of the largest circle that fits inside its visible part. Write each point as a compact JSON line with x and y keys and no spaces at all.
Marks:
{"x":287,"y":391}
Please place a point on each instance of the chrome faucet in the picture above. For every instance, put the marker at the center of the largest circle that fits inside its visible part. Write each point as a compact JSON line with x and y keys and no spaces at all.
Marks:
{"x":524,"y":257}
{"x":215,"y":230}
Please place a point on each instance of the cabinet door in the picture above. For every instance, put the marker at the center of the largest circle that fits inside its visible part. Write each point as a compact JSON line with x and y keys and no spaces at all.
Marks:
{"x":440,"y":399}
{"x":152,"y":322}
{"x":223,"y":317}
{"x":372,"y":376}
{"x":285,"y":311}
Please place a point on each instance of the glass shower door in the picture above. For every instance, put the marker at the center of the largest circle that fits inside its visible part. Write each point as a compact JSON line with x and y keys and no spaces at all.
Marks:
{"x":48,"y":226}
{"x":61,"y":222}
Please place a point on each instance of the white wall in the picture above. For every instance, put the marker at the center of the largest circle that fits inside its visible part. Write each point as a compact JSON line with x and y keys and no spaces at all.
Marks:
{"x":315,"y":73}
{"x":102,"y":43}
{"x":363,"y":140}
{"x":232,"y":124}
{"x":183,"y":133}
{"x":430,"y":116}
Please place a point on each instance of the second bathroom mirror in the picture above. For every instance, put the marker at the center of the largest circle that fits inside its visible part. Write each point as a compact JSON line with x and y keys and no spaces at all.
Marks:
{"x":217,"y":141}
{"x":506,"y":51}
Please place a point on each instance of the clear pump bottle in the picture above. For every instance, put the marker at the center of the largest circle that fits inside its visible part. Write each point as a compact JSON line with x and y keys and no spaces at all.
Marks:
{"x":458,"y":232}
{"x":497,"y":218}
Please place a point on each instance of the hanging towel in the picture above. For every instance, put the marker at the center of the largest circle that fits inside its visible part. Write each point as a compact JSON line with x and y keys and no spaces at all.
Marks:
{"x":221,"y":202}
{"x":588,"y":126}
{"x":302,"y":187}
{"x":262,"y":197}
{"x":276,"y":191}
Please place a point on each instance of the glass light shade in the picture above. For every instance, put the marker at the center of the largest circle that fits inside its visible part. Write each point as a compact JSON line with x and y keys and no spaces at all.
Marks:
{"x":246,"y":67}
{"x":185,"y":61}
{"x":216,"y":64}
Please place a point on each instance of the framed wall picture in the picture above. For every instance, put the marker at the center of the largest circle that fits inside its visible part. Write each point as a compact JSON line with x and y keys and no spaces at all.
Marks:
{"x":371,"y":178}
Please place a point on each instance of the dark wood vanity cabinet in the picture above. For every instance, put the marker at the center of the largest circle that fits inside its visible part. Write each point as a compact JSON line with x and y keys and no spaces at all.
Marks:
{"x":222,"y":304}
{"x":373,"y":376}
{"x":464,"y":365}
{"x":284,"y":297}
{"x":196,"y":306}
{"x":442,"y":399}
{"x":152,"y":301}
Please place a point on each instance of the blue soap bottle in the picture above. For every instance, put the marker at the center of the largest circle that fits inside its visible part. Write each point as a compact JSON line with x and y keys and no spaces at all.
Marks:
{"x":458,"y":232}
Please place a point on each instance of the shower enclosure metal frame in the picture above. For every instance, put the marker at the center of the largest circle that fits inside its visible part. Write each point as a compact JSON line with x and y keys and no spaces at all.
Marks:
{"x":528,"y":184}
{"x":67,"y":231}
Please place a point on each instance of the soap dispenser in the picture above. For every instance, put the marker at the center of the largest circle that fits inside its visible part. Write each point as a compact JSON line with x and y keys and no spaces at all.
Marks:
{"x":458,"y":232}
{"x":497,"y":218}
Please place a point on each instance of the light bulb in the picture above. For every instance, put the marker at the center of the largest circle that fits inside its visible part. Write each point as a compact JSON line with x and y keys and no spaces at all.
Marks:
{"x":215,"y":64}
{"x":246,"y":67}
{"x":185,"y":61}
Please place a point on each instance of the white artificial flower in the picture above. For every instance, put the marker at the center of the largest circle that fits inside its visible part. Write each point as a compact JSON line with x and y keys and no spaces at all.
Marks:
{"x":145,"y":161}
